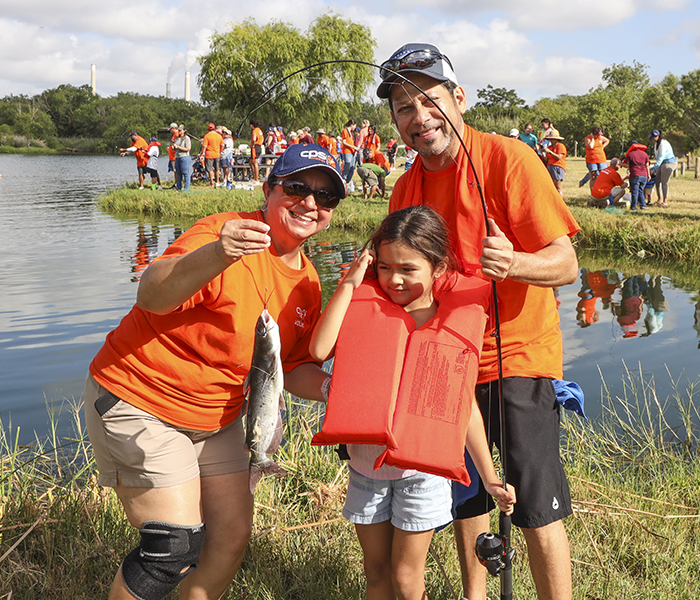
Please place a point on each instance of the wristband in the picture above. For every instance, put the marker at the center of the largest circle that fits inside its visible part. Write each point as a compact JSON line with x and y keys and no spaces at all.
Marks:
{"x":325,"y":386}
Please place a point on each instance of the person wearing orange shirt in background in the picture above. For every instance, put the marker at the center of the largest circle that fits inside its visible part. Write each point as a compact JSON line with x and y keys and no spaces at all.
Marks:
{"x":256,"y":149}
{"x":348,"y":151}
{"x":528,"y":252}
{"x":360,"y":136}
{"x":212,"y":145}
{"x":293,"y":139}
{"x":333,"y":144}
{"x":556,"y":159}
{"x":323,"y":140}
{"x":140,"y":148}
{"x":609,"y":186}
{"x":373,"y":151}
{"x":596,"y":160}
{"x":174,"y":134}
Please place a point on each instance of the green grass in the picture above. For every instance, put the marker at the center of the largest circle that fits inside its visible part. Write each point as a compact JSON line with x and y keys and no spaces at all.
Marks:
{"x":663,"y":233}
{"x":635,"y":532}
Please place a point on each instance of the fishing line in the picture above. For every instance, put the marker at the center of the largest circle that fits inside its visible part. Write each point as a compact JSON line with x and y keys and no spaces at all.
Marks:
{"x":504,"y":520}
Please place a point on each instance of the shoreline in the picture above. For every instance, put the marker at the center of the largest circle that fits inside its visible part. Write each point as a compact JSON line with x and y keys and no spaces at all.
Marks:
{"x":664,"y":233}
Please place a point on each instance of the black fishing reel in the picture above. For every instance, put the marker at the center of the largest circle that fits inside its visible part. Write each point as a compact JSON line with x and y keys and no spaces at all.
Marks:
{"x":493,"y":553}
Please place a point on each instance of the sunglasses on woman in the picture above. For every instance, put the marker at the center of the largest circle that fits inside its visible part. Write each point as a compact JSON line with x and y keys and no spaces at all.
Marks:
{"x":300,"y":191}
{"x":414,"y":59}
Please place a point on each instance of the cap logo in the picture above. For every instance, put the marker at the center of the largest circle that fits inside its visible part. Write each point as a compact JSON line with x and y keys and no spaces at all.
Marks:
{"x":320,"y":156}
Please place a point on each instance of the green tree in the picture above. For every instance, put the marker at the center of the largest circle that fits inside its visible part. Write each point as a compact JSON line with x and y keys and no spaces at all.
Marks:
{"x":248,"y":60}
{"x":501,"y":98}
{"x":63,"y":104}
{"x":614,"y":105}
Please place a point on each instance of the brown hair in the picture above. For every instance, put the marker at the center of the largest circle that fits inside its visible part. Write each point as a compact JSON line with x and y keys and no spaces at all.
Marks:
{"x":419,"y":228}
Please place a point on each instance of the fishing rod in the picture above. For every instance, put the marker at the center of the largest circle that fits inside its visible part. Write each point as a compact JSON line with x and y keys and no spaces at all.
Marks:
{"x":493,"y":550}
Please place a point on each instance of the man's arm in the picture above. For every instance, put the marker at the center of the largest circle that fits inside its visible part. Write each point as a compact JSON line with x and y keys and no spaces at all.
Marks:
{"x":552,"y":266}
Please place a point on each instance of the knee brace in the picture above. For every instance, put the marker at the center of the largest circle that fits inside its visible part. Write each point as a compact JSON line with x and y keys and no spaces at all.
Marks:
{"x":166,"y":555}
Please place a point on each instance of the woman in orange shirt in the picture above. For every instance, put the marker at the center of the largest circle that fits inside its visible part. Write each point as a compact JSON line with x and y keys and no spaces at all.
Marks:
{"x":165,"y":393}
{"x":556,"y":159}
{"x":256,"y":148}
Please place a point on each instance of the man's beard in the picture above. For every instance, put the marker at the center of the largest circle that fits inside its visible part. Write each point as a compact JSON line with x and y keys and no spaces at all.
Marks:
{"x":435,"y":147}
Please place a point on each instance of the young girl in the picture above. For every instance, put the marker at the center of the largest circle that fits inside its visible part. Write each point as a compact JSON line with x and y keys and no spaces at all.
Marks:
{"x":395,"y":510}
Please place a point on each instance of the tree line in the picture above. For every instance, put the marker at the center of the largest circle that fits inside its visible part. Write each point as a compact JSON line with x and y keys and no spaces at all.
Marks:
{"x":266,"y":72}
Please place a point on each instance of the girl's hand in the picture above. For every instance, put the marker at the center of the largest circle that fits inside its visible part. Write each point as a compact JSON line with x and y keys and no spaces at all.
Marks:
{"x":504,"y":498}
{"x":358,"y":268}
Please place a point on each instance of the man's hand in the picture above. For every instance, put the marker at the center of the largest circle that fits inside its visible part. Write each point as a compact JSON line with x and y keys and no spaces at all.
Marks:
{"x":496,"y":254}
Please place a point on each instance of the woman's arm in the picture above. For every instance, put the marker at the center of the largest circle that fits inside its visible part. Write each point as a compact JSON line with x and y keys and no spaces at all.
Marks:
{"x":325,"y":335}
{"x":169,"y":282}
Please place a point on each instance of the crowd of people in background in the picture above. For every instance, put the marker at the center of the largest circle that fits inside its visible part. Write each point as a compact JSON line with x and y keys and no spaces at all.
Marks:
{"x":220,"y":162}
{"x":607,"y":186}
{"x":358,"y":149}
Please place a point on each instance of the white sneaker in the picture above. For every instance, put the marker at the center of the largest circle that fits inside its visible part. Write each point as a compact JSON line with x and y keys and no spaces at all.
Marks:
{"x":351,"y":187}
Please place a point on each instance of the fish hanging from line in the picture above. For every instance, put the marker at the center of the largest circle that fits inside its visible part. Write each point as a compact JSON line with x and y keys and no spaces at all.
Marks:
{"x":264,"y":385}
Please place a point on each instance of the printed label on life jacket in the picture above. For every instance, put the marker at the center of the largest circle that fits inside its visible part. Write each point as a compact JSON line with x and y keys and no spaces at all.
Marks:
{"x":438,"y":389}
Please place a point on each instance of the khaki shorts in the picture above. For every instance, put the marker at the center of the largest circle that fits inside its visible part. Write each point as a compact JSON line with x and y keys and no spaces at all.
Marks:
{"x":136,"y":449}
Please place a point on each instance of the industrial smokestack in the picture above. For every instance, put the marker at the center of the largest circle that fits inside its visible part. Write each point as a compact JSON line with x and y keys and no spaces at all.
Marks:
{"x":168,"y":93}
{"x":187,"y":86}
{"x":93,"y":80}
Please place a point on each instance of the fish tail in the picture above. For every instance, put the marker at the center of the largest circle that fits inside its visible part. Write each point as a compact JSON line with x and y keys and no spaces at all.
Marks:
{"x":269,"y":468}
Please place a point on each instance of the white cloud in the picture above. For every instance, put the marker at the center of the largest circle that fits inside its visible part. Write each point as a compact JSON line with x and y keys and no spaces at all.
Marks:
{"x":496,"y":55}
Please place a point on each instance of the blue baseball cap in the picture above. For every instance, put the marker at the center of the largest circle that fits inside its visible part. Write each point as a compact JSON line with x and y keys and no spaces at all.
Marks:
{"x":654,"y":133}
{"x":300,"y":157}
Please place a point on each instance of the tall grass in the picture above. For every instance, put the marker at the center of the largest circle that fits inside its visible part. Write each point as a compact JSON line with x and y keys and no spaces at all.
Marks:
{"x":635,"y":532}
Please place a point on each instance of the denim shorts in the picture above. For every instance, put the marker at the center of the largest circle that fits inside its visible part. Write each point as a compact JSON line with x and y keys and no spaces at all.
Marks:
{"x":417,"y":503}
{"x":596,"y":166}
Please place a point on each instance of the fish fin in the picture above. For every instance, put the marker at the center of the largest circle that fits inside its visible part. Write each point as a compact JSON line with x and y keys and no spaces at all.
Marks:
{"x":269,"y":468}
{"x":277,"y":437}
{"x":246,"y":384}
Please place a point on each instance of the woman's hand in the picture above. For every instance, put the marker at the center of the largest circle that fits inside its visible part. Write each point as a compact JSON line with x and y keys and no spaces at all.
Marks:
{"x":505,"y":498}
{"x":241,"y":237}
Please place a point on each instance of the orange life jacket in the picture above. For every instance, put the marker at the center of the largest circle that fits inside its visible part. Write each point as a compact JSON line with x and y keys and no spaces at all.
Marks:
{"x":411,"y":390}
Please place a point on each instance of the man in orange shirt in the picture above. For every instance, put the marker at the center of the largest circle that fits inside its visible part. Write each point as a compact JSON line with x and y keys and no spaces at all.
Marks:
{"x":609,"y":186}
{"x":212,"y":145}
{"x":528,"y":251}
{"x":256,"y":149}
{"x":348,"y":150}
{"x":323,"y":140}
{"x":139,"y":147}
{"x":556,"y":159}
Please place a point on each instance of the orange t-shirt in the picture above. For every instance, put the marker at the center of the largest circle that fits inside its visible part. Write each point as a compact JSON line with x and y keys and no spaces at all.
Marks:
{"x":607,"y":179}
{"x":595,"y":155}
{"x":525,"y":205}
{"x":211,"y":144}
{"x":256,"y":137}
{"x":347,"y":138}
{"x":140,"y":153}
{"x":188,"y":367}
{"x":324,"y":141}
{"x":557,"y":148}
{"x":171,"y":150}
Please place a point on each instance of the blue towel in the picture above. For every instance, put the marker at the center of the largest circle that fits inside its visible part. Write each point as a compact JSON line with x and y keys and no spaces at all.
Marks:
{"x":570,"y":396}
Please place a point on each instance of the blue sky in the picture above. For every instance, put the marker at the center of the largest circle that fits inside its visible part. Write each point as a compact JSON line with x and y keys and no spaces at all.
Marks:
{"x":539,"y":48}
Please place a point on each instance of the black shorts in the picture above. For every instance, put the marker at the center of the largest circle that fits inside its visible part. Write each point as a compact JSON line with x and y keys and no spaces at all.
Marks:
{"x":151,"y":172}
{"x":532,"y":452}
{"x":213,"y":164}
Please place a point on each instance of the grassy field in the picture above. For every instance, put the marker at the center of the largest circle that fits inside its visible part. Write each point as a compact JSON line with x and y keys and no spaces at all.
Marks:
{"x":670,"y":233}
{"x":635,"y":532}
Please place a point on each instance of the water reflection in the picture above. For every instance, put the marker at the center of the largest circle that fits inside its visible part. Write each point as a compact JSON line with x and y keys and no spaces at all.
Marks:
{"x":71,"y":273}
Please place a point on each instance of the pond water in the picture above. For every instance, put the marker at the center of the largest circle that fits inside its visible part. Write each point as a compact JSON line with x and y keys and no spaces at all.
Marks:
{"x":69,"y":273}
